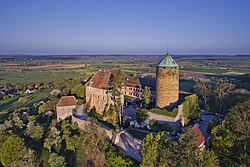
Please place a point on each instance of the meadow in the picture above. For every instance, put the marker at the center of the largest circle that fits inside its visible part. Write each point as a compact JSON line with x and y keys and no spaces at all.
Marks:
{"x":25,"y":101}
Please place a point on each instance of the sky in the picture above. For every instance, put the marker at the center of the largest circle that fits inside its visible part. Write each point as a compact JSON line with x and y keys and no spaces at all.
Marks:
{"x":124,"y":26}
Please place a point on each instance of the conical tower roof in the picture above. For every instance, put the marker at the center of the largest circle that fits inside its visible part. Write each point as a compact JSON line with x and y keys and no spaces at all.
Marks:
{"x":167,"y":61}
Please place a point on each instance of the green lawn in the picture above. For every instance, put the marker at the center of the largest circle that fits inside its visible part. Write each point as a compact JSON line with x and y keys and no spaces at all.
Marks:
{"x":26,"y":101}
{"x":31,"y":76}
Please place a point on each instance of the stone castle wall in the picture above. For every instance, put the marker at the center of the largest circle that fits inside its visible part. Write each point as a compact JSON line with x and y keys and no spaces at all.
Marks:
{"x":101,"y":99}
{"x":98,"y":98}
{"x":63,"y":112}
{"x":83,"y":125}
{"x":167,"y":86}
{"x":164,"y":118}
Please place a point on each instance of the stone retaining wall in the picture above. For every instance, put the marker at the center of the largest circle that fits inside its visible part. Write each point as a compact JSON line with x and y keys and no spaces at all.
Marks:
{"x":82,"y":124}
{"x":165,"y":118}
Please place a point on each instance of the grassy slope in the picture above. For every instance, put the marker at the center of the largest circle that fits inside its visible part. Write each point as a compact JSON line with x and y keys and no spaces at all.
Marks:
{"x":27,"y":101}
{"x":24,"y":77}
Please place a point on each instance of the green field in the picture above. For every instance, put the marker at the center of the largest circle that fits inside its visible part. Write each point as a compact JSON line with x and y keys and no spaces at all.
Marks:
{"x":213,"y":70}
{"x":31,"y":76}
{"x":26,"y":101}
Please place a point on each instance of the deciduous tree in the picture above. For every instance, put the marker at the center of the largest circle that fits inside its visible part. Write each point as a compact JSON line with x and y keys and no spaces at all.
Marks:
{"x":150,"y":150}
{"x":56,"y":160}
{"x":11,"y":150}
{"x":80,"y":91}
{"x":223,"y":88}
{"x":204,"y":89}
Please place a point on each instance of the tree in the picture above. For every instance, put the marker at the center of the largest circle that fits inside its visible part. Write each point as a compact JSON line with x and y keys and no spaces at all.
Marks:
{"x":118,"y":82}
{"x":92,"y":146}
{"x":147,"y":95}
{"x":35,"y":131}
{"x":115,"y":158}
{"x":150,"y":150}
{"x":27,"y":158}
{"x":238,"y":123}
{"x":70,"y":135}
{"x":111,"y":115}
{"x":42,"y":108}
{"x":208,"y":158}
{"x":204,"y":89}
{"x":223,"y":144}
{"x":80,"y":91}
{"x":223,"y":88}
{"x":141,"y":115}
{"x":56,"y":160}
{"x":17,"y":119}
{"x":53,"y":137}
{"x":3,"y":138}
{"x":11,"y":150}
{"x":158,"y":150}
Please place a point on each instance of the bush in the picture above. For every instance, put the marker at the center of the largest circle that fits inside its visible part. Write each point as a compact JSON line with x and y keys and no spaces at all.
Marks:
{"x":191,"y":107}
{"x":161,"y":127}
{"x":165,"y":112}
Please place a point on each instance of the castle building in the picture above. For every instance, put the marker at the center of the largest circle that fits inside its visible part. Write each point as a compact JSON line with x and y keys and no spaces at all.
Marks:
{"x":65,"y":106}
{"x":167,"y":82}
{"x":99,"y":90}
{"x":99,"y":87}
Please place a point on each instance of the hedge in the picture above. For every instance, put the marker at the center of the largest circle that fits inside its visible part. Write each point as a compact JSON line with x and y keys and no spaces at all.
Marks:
{"x":165,"y":112}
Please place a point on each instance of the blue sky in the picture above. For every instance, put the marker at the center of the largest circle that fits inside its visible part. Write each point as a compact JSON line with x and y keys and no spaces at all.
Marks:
{"x":124,"y":26}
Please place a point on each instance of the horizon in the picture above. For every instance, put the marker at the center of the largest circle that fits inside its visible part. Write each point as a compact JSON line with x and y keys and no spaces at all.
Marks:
{"x":156,"y":55}
{"x":124,"y":27}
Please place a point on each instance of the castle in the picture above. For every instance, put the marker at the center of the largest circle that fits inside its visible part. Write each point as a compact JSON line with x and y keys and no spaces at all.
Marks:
{"x":99,"y":87}
{"x":167,"y":82}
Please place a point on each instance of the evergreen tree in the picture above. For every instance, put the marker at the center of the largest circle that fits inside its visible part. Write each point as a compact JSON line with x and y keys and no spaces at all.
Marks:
{"x":147,"y":95}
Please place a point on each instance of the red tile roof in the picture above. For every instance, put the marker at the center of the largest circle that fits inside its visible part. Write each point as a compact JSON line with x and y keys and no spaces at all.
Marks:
{"x":133,"y":82}
{"x":198,"y":134}
{"x":30,"y":89}
{"x":66,"y":101}
{"x":102,"y":79}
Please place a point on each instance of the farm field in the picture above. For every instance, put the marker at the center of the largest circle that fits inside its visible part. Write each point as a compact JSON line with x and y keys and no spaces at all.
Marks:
{"x":47,"y":68}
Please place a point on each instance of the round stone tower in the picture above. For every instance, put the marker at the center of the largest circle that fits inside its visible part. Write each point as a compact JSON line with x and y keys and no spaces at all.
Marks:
{"x":167,"y":82}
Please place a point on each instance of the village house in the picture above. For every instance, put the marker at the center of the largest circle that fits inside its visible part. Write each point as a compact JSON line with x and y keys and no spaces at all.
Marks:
{"x":65,"y":107}
{"x":199,"y":139}
{"x":29,"y":90}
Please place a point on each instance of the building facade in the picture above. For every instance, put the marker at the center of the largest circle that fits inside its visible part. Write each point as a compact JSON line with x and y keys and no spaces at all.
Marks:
{"x":167,"y":82}
{"x":99,"y":90}
{"x":65,"y":106}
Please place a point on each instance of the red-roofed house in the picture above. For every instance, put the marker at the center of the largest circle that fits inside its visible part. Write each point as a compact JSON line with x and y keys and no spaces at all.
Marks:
{"x":29,"y":90}
{"x":199,"y":138}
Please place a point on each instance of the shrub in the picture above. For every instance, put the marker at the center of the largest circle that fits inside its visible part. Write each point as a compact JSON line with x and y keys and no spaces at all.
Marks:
{"x":165,"y":112}
{"x":191,"y":107}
